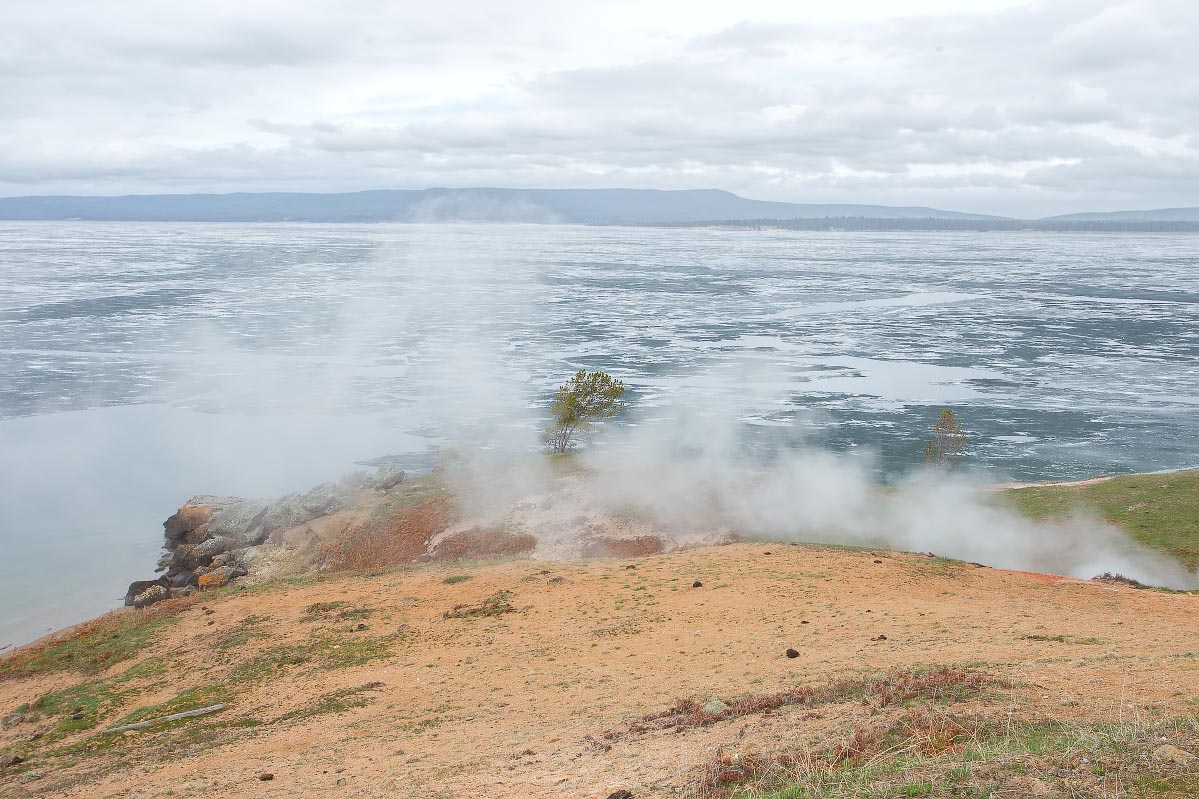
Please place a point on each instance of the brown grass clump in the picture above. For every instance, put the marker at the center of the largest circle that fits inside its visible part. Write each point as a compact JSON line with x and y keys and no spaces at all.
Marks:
{"x":495,"y":605}
{"x":1117,"y":579}
{"x":918,"y":732}
{"x":942,"y":684}
{"x":481,"y":542}
{"x":393,"y":535}
{"x":605,"y":547}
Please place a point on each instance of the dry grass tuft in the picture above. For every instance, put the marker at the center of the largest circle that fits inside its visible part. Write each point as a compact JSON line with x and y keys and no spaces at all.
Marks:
{"x":495,"y":605}
{"x":481,"y":542}
{"x":924,"y":732}
{"x":942,"y":684}
{"x":394,"y":534}
{"x":1118,"y":579}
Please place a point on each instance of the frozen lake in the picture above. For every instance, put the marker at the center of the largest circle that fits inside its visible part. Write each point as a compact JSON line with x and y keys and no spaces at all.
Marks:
{"x":143,"y":363}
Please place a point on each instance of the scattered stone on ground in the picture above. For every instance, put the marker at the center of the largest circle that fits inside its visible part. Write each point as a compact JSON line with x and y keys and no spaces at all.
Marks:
{"x":1173,"y":754}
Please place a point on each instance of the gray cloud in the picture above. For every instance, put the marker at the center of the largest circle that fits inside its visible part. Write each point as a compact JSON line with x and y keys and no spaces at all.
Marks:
{"x":1024,"y":109}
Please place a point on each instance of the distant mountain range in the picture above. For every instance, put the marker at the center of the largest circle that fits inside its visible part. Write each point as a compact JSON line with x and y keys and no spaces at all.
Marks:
{"x":577,"y":206}
{"x":1160,"y":215}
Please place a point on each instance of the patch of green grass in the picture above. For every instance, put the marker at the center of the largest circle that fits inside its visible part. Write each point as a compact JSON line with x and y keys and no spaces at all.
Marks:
{"x":792,"y":792}
{"x":321,"y":652}
{"x":457,"y":578}
{"x":81,"y":706}
{"x":189,"y":699}
{"x":342,"y":652}
{"x":267,"y":666}
{"x":266,"y":587}
{"x":87,"y":701}
{"x":245,"y":632}
{"x":334,"y":702}
{"x":193,"y":698}
{"x":1159,"y":510}
{"x":936,"y":566}
{"x":320,"y":610}
{"x":93,"y":647}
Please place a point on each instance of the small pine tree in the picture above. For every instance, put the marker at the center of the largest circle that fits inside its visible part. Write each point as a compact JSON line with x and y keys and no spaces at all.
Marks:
{"x":947,"y":442}
{"x":586,"y":398}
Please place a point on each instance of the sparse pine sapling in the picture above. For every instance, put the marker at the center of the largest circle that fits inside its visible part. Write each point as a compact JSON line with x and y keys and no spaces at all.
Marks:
{"x":586,"y":398}
{"x":947,"y":442}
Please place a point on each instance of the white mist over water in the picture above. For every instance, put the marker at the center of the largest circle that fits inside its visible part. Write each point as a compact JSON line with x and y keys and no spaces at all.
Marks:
{"x":691,"y":478}
{"x":691,"y":472}
{"x":143,"y":363}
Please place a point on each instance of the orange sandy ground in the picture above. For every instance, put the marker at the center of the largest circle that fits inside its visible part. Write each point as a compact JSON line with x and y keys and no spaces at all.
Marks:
{"x":502,"y":706}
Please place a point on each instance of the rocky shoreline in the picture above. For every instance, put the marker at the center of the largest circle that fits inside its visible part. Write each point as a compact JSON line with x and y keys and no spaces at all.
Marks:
{"x":367,"y":521}
{"x":211,"y":541}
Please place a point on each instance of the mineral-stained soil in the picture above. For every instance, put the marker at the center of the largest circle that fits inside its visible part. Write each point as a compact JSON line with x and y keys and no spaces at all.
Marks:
{"x":525,"y":678}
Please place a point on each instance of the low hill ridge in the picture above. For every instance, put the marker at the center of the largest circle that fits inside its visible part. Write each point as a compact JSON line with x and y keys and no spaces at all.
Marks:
{"x":577,"y":206}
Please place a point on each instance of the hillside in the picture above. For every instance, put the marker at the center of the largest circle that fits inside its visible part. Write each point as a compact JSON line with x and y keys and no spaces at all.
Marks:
{"x":434,"y":658}
{"x":667,"y":675}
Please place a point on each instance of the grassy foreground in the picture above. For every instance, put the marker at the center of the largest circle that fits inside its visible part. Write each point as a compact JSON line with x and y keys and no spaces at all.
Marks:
{"x":1159,"y":510}
{"x":763,"y":671}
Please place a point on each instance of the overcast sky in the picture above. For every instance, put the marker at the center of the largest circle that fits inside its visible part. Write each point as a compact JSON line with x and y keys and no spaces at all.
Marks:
{"x":1021,"y":108}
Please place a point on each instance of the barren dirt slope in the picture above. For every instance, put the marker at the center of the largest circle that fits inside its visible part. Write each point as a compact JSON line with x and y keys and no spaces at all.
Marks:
{"x":529,"y":679}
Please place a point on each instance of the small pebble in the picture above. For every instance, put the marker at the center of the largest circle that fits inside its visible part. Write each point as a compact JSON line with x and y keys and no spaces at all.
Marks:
{"x":791,"y":653}
{"x":697,"y":584}
{"x":266,"y":776}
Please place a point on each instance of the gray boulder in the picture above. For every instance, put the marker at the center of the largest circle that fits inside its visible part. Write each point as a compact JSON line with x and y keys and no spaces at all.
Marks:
{"x":386,"y":477}
{"x":214,"y":534}
{"x":155,"y":592}
{"x":139,"y":588}
{"x":242,"y":522}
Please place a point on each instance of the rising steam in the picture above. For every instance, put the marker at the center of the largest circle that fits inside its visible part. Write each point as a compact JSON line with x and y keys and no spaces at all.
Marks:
{"x":692,"y":483}
{"x":477,"y":369}
{"x":688,"y":472}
